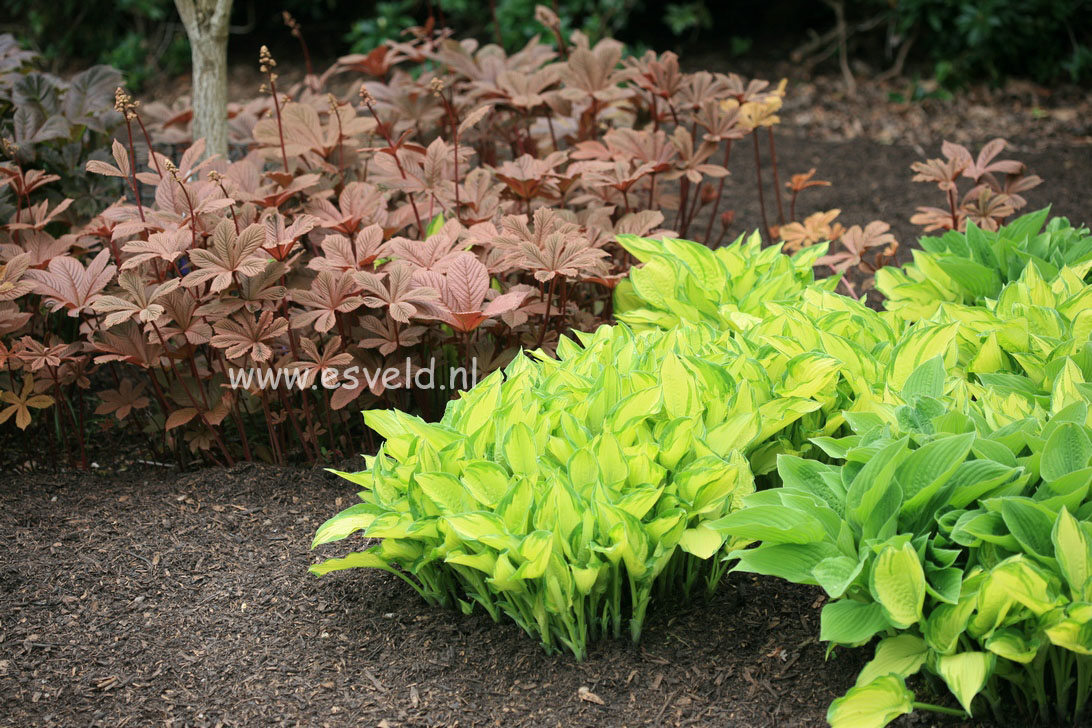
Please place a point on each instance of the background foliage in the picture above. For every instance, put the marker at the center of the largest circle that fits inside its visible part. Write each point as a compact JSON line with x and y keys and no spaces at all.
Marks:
{"x":955,"y":42}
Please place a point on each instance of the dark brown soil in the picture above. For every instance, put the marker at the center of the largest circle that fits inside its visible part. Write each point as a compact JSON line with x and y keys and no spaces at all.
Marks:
{"x":871,"y":181}
{"x":185,"y":601}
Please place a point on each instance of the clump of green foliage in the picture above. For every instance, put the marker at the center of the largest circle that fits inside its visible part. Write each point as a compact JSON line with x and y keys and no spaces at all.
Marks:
{"x":931,"y":466}
{"x":973,"y":266}
{"x":568,"y":492}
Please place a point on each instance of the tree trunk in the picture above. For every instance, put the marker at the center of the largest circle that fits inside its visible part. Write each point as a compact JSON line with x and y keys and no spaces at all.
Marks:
{"x":206,"y":23}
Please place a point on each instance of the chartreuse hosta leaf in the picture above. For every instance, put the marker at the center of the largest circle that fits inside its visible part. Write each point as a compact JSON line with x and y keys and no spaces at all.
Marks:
{"x":872,"y":705}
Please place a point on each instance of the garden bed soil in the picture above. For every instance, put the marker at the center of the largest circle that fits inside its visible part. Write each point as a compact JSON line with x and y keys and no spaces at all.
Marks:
{"x":157,"y":599}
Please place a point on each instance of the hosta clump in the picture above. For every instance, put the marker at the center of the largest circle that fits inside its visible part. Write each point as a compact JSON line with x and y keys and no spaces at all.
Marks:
{"x":973,"y":266}
{"x":566,"y":493}
{"x":966,"y":547}
{"x":728,"y":287}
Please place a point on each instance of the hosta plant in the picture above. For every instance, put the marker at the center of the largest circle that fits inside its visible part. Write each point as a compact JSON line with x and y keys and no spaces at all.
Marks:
{"x":973,"y":266}
{"x":729,"y":287}
{"x":963,"y":545}
{"x":567,"y":493}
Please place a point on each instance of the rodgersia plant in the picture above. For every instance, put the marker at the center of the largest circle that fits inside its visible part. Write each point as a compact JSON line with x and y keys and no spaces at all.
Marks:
{"x":459,"y":204}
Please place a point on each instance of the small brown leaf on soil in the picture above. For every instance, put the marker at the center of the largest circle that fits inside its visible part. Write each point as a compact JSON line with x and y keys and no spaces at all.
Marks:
{"x":588,"y":696}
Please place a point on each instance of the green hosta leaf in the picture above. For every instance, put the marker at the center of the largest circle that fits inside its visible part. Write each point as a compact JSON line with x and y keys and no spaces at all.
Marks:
{"x":835,"y":574}
{"x":1025,"y":226}
{"x":736,"y":433}
{"x":978,"y":280}
{"x":535,"y":550}
{"x":584,"y":577}
{"x":771,"y":524}
{"x":932,"y":464}
{"x":612,"y":461}
{"x":902,"y":655}
{"x":1021,"y":580}
{"x":944,"y":584}
{"x":919,"y":346}
{"x":1013,"y":645}
{"x":583,"y":470}
{"x":356,"y":560}
{"x":849,"y":622}
{"x":873,"y":486}
{"x":348,"y":521}
{"x":780,"y":413}
{"x":479,"y":526}
{"x":445,"y":491}
{"x":873,"y":705}
{"x":702,"y":541}
{"x":1073,"y":550}
{"x":897,"y":583}
{"x":925,"y":381}
{"x":813,"y":477}
{"x":635,"y":407}
{"x":1031,"y":524}
{"x":1073,"y":631}
{"x":485,"y":561}
{"x":946,"y":623}
{"x":680,"y":395}
{"x":1068,"y":449}
{"x":790,"y":561}
{"x":486,"y":482}
{"x":640,"y":501}
{"x":965,"y":674}
{"x":515,"y":506}
{"x":504,"y":576}
{"x":434,"y":225}
{"x":520,"y":451}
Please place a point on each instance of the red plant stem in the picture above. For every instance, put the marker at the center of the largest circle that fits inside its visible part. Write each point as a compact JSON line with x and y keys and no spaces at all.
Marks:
{"x":563,"y":308}
{"x":761,"y":193}
{"x":684,"y":198}
{"x":193,"y":400}
{"x":340,"y":146}
{"x":306,"y":54}
{"x":133,"y":181}
{"x":306,"y":404}
{"x":62,"y":402}
{"x":296,"y":425}
{"x":398,"y":163}
{"x":792,"y":204}
{"x":496,"y":23}
{"x":148,"y":141}
{"x":546,"y":316}
{"x":952,"y":206}
{"x":550,"y":125}
{"x":79,"y":432}
{"x":269,"y":428}
{"x":19,"y":205}
{"x":720,"y":191}
{"x":235,"y":414}
{"x":674,"y":115}
{"x":231,"y":208}
{"x":189,"y":204}
{"x":776,"y":180}
{"x":625,"y":198}
{"x":694,"y":206}
{"x":455,"y":138}
{"x":329,"y":422}
{"x":280,"y":127}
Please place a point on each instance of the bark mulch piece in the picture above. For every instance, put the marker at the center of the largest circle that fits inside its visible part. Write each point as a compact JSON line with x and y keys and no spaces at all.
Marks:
{"x":145,"y":600}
